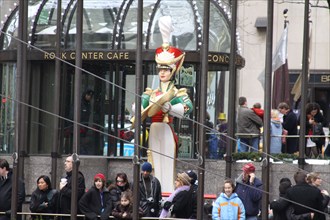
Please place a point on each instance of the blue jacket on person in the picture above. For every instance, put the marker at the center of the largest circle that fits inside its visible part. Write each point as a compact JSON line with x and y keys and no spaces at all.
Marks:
{"x":250,"y":194}
{"x":228,"y":208}
{"x":276,"y":130}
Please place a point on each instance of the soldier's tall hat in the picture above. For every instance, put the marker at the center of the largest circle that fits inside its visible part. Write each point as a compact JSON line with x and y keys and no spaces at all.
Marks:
{"x":168,"y":57}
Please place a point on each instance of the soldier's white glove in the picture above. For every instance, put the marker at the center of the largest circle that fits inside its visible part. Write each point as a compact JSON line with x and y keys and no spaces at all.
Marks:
{"x":166,"y":108}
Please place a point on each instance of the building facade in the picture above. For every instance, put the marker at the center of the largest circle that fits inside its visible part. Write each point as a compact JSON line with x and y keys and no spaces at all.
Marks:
{"x":252,"y":26}
{"x":108,"y":71}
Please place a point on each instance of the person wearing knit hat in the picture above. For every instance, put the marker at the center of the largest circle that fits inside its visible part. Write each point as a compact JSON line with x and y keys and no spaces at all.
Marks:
{"x":179,"y":204}
{"x":249,"y":190}
{"x":150,"y":192}
{"x":193,"y":176}
{"x":99,"y":176}
{"x":146,"y":166}
{"x":90,"y":203}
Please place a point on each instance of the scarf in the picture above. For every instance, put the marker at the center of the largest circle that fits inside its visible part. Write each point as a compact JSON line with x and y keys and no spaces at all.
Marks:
{"x":164,"y":212}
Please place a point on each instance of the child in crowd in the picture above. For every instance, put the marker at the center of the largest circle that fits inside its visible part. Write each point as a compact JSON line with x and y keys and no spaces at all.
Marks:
{"x":257,"y":109}
{"x":228,"y":205}
{"x":276,"y":131}
{"x":124,"y":209}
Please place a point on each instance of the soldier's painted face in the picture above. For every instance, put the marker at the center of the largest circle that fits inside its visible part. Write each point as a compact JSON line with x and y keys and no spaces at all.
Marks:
{"x":164,"y":75}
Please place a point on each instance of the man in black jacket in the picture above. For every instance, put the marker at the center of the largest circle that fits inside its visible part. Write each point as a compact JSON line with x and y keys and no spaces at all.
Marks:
{"x":150,"y":192}
{"x":193,"y":189}
{"x":66,"y":188}
{"x":6,"y":183}
{"x":307,"y":195}
{"x":303,"y":197}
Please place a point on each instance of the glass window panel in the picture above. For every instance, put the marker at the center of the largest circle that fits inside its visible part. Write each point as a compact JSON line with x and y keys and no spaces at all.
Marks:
{"x":98,"y":23}
{"x":99,"y":20}
{"x":184,"y":31}
{"x":219,"y":31}
{"x":7,"y":107}
{"x":45,"y":30}
{"x":9,"y":41}
{"x":11,"y":32}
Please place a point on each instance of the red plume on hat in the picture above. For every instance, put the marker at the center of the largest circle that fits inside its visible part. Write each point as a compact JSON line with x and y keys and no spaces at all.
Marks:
{"x":168,"y":57}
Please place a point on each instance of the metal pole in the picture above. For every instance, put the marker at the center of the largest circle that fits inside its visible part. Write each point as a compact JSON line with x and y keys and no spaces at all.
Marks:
{"x":232,"y":91}
{"x":18,"y":116}
{"x":304,"y":81}
{"x":202,"y":109}
{"x":57,"y":93}
{"x":267,"y":104}
{"x":77,"y":103}
{"x":24,"y":95}
{"x":138,"y":90}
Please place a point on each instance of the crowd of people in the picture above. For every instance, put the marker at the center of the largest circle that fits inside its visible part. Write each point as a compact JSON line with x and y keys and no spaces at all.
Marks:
{"x":305,"y":200}
{"x":284,"y":124}
{"x":104,"y":198}
{"x":240,"y":199}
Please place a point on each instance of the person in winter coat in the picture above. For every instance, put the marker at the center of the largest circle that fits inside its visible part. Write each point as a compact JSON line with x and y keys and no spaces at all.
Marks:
{"x":314,"y":117}
{"x":249,"y":190}
{"x":276,"y":130}
{"x":96,"y":201}
{"x":44,"y":198}
{"x":150,"y":192}
{"x":194,"y":189}
{"x":304,"y":198}
{"x":86,"y":110}
{"x":179,"y":204}
{"x":314,"y":179}
{"x":124,"y":210}
{"x":228,"y":205}
{"x":279,"y":206}
{"x":248,"y":127}
{"x":122,"y":185}
{"x":290,"y":123}
{"x":6,"y":182}
{"x":64,"y":201}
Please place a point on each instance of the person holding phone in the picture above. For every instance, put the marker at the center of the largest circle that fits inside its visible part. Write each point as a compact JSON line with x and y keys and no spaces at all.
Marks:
{"x":249,"y":190}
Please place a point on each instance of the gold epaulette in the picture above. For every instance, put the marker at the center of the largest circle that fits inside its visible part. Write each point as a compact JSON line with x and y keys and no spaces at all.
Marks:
{"x":181,"y":92}
{"x":148,"y":91}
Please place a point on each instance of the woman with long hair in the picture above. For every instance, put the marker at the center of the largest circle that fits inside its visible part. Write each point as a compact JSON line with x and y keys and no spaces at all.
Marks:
{"x":44,"y":198}
{"x":179,"y":204}
{"x":122,"y":185}
{"x":315,"y":119}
